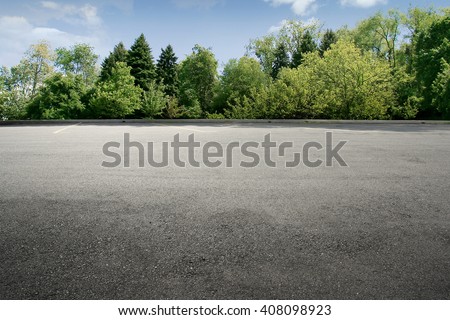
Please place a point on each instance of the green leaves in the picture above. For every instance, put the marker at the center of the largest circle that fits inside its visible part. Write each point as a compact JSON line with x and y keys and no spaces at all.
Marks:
{"x":238,"y":78}
{"x":140,"y":59}
{"x":79,"y":60}
{"x":119,"y":54}
{"x":167,"y":71}
{"x":391,"y":66}
{"x":154,"y":101}
{"x":198,"y":78}
{"x":351,"y":84}
{"x":60,"y":98}
{"x":117,"y":97}
{"x":344,"y":84}
{"x":441,"y":89}
{"x":433,"y":55}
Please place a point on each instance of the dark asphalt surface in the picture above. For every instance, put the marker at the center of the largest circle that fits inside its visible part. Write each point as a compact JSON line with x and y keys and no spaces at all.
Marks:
{"x":378,"y":229}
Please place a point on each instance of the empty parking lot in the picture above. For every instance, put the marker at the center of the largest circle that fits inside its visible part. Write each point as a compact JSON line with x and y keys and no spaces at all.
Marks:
{"x":378,"y":228}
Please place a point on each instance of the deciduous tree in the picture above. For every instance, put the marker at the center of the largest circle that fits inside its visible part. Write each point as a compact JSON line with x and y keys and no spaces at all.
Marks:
{"x":116,"y":97}
{"x":198,"y":78}
{"x":80,"y":59}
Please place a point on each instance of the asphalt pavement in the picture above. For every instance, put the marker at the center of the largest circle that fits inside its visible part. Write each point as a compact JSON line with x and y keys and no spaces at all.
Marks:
{"x":378,"y":228}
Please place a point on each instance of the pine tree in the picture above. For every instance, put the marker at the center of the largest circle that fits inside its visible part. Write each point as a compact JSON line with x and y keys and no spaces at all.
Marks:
{"x":281,"y":60}
{"x":328,"y":39}
{"x":119,"y":54}
{"x":140,"y":60}
{"x":167,"y":71}
{"x":307,"y":45}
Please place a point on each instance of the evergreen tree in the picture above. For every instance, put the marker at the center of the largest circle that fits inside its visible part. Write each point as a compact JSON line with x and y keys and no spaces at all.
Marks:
{"x":328,"y":39}
{"x":140,"y":60}
{"x":307,"y":45}
{"x":167,"y":71}
{"x":281,"y":60}
{"x":119,"y":54}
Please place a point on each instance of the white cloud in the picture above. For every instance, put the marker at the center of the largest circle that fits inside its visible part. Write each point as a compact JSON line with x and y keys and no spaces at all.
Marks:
{"x":79,"y":15}
{"x":362,"y":3}
{"x":17,"y":34}
{"x":300,"y":7}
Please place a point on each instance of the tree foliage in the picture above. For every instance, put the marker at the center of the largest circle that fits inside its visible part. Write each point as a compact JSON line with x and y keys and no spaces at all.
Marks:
{"x":116,"y":97}
{"x":119,"y":54}
{"x":154,"y":101}
{"x":293,"y":38}
{"x":60,"y":98}
{"x":79,"y":60}
{"x":433,"y":55}
{"x":167,"y":71}
{"x":198,"y":78}
{"x":140,"y":59}
{"x":392,"y":65}
{"x":238,"y":78}
{"x":329,"y":37}
{"x":307,"y":45}
{"x":351,"y":84}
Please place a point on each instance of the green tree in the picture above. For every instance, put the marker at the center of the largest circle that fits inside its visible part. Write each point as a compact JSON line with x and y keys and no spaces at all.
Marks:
{"x":264,"y":50}
{"x":291,"y":95}
{"x":38,"y":60}
{"x":380,"y":34}
{"x":281,"y":60}
{"x":328,"y":38}
{"x":441,"y":90}
{"x":12,"y":102}
{"x":154,"y":101}
{"x":237,"y":80}
{"x":407,"y":101}
{"x":306,"y":46}
{"x":33,"y":69}
{"x":433,"y":54}
{"x":80,"y":60}
{"x":59,"y":98}
{"x":22,"y":82}
{"x":140,"y":59}
{"x":350,"y":84}
{"x":119,"y":54}
{"x":167,"y":71}
{"x":116,"y":97}
{"x":416,"y":21}
{"x":198,"y":78}
{"x":290,"y":36}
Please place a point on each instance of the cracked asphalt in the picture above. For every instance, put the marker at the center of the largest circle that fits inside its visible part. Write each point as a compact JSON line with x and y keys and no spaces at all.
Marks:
{"x":377,"y":229}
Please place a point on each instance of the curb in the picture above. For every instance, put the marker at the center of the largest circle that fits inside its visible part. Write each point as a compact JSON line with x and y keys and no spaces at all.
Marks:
{"x":223,"y":121}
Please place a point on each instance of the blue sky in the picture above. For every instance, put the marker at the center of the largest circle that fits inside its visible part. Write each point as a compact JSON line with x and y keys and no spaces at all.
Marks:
{"x":224,"y":25}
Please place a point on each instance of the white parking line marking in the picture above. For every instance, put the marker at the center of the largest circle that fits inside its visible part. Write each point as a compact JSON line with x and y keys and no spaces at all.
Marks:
{"x":61,"y":130}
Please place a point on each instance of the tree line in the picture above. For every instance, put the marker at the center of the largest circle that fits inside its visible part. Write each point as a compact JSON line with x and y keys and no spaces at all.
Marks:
{"x":390,"y":66}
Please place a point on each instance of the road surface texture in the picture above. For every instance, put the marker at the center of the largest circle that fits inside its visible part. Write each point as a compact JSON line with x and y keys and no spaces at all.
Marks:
{"x":377,"y":229}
